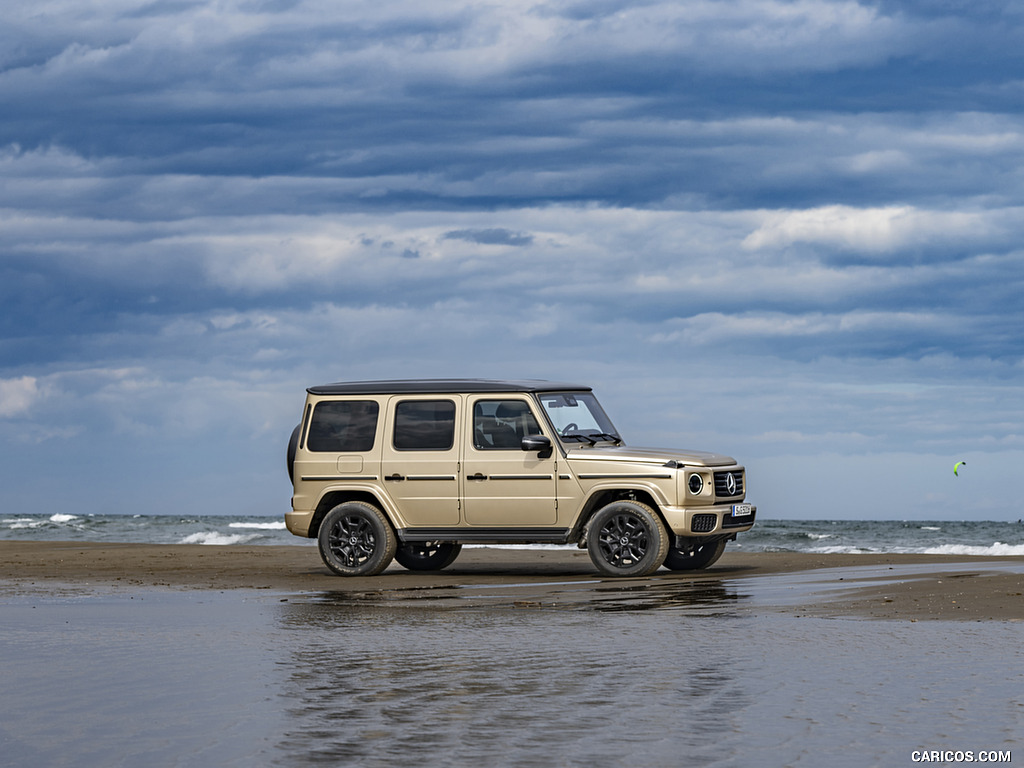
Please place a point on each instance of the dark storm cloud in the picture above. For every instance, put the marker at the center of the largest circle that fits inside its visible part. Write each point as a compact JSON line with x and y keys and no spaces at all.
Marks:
{"x":739,"y":104}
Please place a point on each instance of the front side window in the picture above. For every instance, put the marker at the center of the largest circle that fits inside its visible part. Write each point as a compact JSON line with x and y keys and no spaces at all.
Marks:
{"x":343,"y":426}
{"x":578,"y":417}
{"x":425,"y":425}
{"x":502,"y":424}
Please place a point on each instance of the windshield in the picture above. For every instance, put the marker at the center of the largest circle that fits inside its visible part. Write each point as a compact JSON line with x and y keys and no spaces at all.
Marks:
{"x":578,"y":417}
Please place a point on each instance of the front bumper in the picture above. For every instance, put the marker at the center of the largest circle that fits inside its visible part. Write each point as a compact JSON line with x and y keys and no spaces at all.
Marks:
{"x":708,"y":521}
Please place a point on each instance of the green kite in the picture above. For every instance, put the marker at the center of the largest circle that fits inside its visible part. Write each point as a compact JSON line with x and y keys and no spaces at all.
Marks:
{"x":956,"y":467}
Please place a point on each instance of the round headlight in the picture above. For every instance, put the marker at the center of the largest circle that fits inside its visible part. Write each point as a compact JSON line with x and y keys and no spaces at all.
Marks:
{"x":696,"y":484}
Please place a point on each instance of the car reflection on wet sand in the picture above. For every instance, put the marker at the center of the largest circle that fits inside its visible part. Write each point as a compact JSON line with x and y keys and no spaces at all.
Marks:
{"x":665,"y":671}
{"x":714,"y":595}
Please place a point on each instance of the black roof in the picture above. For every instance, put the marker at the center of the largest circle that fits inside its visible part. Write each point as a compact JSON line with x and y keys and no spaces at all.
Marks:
{"x":442,"y":386}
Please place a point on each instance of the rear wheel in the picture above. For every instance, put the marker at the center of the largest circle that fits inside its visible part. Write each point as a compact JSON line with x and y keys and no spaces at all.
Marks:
{"x":696,"y":558}
{"x":356,"y":540}
{"x":627,"y":538}
{"x":428,"y":556}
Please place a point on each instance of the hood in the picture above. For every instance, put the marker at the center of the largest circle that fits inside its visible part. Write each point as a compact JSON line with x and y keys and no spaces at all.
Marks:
{"x":659,"y":456}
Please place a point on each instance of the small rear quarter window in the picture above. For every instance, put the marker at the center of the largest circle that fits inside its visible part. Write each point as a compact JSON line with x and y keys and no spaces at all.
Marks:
{"x":343,"y":426}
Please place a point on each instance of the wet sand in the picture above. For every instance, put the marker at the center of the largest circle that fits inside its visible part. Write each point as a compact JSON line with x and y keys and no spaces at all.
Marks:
{"x":123,"y":655}
{"x":906,"y":587}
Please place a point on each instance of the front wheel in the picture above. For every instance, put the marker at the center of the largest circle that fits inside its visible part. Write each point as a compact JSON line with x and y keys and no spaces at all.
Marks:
{"x":627,"y":538}
{"x":693,"y":560}
{"x":428,"y":556}
{"x":356,"y":540}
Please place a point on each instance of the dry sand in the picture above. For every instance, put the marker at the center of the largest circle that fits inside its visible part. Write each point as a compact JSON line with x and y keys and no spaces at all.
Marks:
{"x":925,"y":586}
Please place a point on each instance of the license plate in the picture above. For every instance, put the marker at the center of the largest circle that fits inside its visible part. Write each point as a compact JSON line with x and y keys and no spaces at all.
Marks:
{"x":741,"y":510}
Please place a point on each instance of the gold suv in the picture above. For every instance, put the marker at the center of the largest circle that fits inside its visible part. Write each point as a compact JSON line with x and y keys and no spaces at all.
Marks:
{"x":412,"y":470}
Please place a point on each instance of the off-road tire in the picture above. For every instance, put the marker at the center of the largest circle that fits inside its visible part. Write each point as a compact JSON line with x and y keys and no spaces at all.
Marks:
{"x":356,"y":540}
{"x":428,"y":556}
{"x":702,"y":557}
{"x":627,"y":538}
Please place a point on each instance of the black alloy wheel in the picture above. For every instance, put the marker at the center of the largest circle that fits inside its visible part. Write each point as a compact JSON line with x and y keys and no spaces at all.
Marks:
{"x":356,"y":539}
{"x":428,"y":556}
{"x":694,"y":559}
{"x":627,"y":538}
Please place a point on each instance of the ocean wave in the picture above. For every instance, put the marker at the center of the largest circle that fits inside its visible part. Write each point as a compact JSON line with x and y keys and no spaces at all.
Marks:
{"x":998,"y":549}
{"x":846,"y":550}
{"x":276,"y":526}
{"x":62,"y":518}
{"x":213,"y":538}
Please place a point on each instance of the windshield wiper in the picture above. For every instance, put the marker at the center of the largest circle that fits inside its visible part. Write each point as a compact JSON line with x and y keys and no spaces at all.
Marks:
{"x":592,"y":437}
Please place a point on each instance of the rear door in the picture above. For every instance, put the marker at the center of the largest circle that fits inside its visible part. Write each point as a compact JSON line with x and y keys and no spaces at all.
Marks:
{"x":420,"y":463}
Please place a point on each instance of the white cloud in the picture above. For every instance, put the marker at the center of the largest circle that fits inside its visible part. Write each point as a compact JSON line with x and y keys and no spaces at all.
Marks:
{"x":17,"y":396}
{"x":365,"y":48}
{"x":712,"y":328}
{"x":872,"y":230}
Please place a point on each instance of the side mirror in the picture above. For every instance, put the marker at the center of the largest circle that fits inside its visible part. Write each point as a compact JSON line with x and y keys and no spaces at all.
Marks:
{"x":539,"y":443}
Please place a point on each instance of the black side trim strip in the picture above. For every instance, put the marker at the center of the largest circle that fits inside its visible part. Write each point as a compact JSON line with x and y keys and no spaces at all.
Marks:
{"x":626,"y":477}
{"x":487,"y":535}
{"x":521,"y":477}
{"x":338,"y":477}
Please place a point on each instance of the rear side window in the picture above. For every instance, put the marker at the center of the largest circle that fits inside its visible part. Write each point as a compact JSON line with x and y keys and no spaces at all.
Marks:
{"x":343,"y":426}
{"x":424,"y":425}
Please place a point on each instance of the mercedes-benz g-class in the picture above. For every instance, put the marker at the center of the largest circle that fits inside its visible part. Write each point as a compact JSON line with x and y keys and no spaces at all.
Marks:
{"x":412,"y":470}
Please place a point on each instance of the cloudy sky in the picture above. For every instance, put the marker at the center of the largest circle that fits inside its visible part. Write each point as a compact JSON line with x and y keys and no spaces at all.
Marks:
{"x":787,"y":230}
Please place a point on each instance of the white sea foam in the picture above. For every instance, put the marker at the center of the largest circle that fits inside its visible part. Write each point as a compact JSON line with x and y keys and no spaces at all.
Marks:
{"x":62,"y":518}
{"x":998,"y":549}
{"x":276,"y":526}
{"x":930,"y":528}
{"x":841,"y":550}
{"x":218,"y":539}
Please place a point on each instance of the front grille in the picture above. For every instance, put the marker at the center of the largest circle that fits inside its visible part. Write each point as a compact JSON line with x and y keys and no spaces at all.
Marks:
{"x":703,"y":523}
{"x":722,"y":483}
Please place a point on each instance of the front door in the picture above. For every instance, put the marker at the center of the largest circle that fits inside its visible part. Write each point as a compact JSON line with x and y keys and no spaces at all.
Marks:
{"x":505,"y":486}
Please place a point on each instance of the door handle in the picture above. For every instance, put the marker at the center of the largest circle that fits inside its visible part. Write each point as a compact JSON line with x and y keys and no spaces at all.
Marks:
{"x":477,"y":476}
{"x":395,"y":477}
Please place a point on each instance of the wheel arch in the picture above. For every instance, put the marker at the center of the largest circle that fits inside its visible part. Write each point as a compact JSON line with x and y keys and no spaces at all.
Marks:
{"x":331,"y":499}
{"x":605,"y":496}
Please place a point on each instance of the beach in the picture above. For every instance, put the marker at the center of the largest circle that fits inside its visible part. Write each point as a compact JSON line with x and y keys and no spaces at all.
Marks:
{"x":926,"y":586}
{"x":185,"y":655}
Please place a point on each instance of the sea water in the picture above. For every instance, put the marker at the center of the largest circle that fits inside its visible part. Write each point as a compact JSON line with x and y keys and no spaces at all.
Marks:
{"x":972,"y":537}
